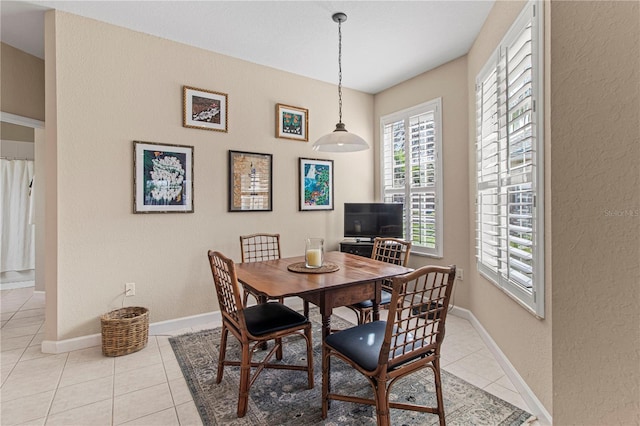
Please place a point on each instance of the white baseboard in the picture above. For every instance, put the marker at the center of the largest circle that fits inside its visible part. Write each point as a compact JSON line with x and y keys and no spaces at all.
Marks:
{"x":157,"y":328}
{"x":544,"y":417}
{"x":68,"y":345}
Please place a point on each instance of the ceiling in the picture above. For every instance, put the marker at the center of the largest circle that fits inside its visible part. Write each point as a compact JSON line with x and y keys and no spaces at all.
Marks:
{"x":383,"y":42}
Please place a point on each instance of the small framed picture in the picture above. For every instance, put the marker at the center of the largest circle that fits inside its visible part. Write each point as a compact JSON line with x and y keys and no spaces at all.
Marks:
{"x":316,"y":184}
{"x":162,"y":178}
{"x":250,"y":182}
{"x":204,"y":109}
{"x":292,"y":122}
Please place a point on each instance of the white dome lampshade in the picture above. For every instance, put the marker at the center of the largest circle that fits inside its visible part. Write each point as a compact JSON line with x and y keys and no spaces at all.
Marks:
{"x":340,"y":140}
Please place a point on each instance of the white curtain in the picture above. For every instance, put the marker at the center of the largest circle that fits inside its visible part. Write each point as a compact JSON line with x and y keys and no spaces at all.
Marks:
{"x":17,"y":251}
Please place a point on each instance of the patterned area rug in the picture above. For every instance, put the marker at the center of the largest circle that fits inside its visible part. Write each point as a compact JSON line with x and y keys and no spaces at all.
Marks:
{"x":281,"y":397}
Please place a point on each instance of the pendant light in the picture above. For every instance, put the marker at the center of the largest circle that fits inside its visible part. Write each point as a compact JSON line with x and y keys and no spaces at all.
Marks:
{"x":340,"y":140}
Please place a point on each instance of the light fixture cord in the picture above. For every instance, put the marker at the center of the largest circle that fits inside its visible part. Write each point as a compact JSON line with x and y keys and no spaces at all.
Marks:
{"x":340,"y":70}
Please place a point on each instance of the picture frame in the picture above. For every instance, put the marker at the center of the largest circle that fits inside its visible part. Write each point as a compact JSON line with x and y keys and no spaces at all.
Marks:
{"x":162,"y":178}
{"x":292,"y":122}
{"x":250,"y":182}
{"x":315,"y":179}
{"x":204,"y":109}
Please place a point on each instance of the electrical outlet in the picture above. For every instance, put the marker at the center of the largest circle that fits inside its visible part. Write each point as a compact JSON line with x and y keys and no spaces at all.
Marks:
{"x":130,"y":289}
{"x":460,"y":274}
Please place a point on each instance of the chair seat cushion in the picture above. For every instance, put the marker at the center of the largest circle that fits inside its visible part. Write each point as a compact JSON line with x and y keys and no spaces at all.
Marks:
{"x":362,"y":343}
{"x":385,"y":299}
{"x":271,"y":317}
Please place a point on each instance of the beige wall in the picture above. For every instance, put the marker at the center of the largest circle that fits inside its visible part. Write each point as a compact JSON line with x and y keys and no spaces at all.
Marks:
{"x":22,"y":91}
{"x":523,"y":338}
{"x":447,"y":82}
{"x":595,"y":168}
{"x":108,"y":86}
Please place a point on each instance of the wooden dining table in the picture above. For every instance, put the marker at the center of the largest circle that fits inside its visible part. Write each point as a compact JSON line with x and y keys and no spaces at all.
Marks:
{"x":356,"y":279}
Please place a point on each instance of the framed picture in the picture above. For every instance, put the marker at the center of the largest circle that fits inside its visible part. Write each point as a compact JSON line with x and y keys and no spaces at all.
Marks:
{"x":162,"y":178}
{"x":316,"y":184}
{"x":204,"y":109}
{"x":292,"y":122}
{"x":250,"y":182}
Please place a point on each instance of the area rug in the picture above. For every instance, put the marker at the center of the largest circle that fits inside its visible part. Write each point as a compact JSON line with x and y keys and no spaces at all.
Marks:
{"x":281,"y":397}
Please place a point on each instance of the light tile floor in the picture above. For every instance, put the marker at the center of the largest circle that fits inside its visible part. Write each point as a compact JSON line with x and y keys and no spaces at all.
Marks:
{"x":147,"y":388}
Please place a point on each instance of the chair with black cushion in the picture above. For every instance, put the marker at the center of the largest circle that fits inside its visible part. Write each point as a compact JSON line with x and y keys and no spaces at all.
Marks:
{"x":256,"y":248}
{"x":259,"y":247}
{"x":254,"y":326}
{"x":409,"y":340}
{"x":390,"y":250}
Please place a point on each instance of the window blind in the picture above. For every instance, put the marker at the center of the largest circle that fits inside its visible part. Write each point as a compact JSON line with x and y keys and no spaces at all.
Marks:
{"x":411,"y":170}
{"x":509,"y":165}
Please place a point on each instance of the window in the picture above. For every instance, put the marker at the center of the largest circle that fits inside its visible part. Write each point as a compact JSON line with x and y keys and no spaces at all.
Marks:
{"x":509,"y":164}
{"x":411,"y":172}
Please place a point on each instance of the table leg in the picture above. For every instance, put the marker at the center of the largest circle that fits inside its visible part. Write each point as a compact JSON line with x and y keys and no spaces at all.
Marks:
{"x":326,"y":331}
{"x":376,"y":301}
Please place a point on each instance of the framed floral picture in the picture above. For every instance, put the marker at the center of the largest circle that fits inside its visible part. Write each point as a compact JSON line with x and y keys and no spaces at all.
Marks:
{"x":292,"y":122}
{"x":204,"y":109}
{"x":316,"y":184}
{"x":250,"y":182}
{"x":162,"y":178}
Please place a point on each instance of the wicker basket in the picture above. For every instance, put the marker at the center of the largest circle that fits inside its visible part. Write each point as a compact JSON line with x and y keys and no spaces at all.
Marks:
{"x":124,"y":330}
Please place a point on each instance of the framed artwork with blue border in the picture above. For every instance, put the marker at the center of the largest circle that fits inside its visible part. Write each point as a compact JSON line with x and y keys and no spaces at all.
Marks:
{"x":162,"y":178}
{"x":292,"y":122}
{"x":316,"y":184}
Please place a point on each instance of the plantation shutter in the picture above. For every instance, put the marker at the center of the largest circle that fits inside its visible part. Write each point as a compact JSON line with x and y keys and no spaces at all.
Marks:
{"x":411,"y":172}
{"x":507,"y":182}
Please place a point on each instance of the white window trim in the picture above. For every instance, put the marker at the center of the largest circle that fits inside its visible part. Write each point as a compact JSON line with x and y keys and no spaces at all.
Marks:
{"x":436,"y":106}
{"x":534,"y":302}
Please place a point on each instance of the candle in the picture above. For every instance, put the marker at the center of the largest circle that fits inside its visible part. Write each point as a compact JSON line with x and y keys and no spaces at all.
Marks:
{"x":314,"y":252}
{"x":314,"y":258}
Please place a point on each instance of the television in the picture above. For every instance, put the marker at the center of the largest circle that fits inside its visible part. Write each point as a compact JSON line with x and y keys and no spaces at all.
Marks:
{"x":370,"y":220}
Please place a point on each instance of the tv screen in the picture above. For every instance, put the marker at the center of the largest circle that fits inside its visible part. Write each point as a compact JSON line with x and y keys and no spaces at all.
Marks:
{"x":370,"y":220}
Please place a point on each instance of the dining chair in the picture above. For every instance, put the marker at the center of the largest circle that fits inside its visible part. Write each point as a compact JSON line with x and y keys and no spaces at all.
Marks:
{"x":256,"y":248}
{"x":409,"y":340}
{"x":259,"y":247}
{"x":390,"y":250}
{"x":254,"y":326}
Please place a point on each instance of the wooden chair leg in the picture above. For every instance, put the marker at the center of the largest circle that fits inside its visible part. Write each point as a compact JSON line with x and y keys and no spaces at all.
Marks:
{"x":305,"y":307}
{"x":245,"y":370}
{"x":438,"y":383}
{"x":223,"y":352}
{"x":382,"y":405}
{"x":279,"y":349}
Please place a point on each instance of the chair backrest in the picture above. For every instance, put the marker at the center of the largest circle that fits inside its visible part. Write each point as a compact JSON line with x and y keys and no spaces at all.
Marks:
{"x":417,"y":313}
{"x":258,"y":247}
{"x":391,"y":250}
{"x":227,"y":289}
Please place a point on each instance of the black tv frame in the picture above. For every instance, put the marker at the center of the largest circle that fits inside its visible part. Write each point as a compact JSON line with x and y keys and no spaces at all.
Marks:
{"x":372,"y":217}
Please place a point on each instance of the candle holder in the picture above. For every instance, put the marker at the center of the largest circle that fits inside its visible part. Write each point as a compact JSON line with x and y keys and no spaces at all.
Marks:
{"x":314,"y":253}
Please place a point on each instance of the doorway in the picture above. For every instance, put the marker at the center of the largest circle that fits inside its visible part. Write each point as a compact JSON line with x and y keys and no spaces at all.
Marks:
{"x":19,"y":139}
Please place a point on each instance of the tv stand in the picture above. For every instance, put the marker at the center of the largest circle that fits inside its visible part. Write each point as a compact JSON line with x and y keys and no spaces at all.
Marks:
{"x":358,"y":247}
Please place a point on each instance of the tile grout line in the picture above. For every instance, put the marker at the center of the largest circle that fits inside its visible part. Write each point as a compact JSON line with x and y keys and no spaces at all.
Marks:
{"x":166,"y":375}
